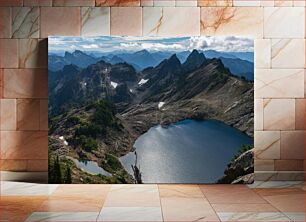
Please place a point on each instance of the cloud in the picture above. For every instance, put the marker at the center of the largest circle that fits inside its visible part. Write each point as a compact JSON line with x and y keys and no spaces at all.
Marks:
{"x":108,"y":44}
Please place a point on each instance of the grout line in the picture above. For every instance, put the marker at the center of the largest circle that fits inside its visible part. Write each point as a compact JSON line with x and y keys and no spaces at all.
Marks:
{"x":160,"y":203}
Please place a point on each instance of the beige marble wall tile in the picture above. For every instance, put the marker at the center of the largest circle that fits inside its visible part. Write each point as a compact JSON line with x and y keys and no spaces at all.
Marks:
{"x":74,"y":3}
{"x":258,"y":114}
{"x":289,"y":165}
{"x":283,"y":3}
{"x":43,"y":114}
{"x":8,"y":114}
{"x":279,"y":114}
{"x":28,"y":114}
{"x":37,"y":165}
{"x":220,"y":3}
{"x":25,"y":83}
{"x":284,"y":22}
{"x":232,"y":21}
{"x":118,"y":3}
{"x":51,"y":17}
{"x":126,"y":21}
{"x":292,"y":145}
{"x":305,"y":83}
{"x":8,"y":53}
{"x":146,"y":2}
{"x":163,"y":3}
{"x":263,"y":165}
{"x":299,"y":3}
{"x":186,"y":3}
{"x":284,"y":49}
{"x":95,"y":21}
{"x":167,"y":21}
{"x":33,"y":53}
{"x":246,"y":3}
{"x":24,"y":145}
{"x":266,"y":3}
{"x":267,"y":145}
{"x":262,"y":53}
{"x":300,"y":114}
{"x":25,"y":22}
{"x":13,"y":165}
{"x":279,"y":83}
{"x":5,"y":22}
{"x":5,"y":3}
{"x":37,"y":2}
{"x":1,"y":83}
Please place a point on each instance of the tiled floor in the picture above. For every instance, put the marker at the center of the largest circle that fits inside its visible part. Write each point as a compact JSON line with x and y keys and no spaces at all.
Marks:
{"x":37,"y":202}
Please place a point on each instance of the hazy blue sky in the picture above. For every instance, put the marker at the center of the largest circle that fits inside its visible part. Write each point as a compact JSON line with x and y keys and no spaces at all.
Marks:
{"x":116,"y":43}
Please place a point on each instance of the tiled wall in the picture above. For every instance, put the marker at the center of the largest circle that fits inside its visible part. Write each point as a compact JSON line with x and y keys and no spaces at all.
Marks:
{"x":278,"y":26}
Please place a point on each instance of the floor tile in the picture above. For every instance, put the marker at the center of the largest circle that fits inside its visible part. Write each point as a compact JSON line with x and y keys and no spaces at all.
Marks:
{"x":63,"y":216}
{"x":130,"y":214}
{"x":298,"y":216}
{"x":189,"y":191}
{"x":18,"y":208}
{"x":71,"y":204}
{"x":285,"y":200}
{"x":274,"y":216}
{"x":187,"y":209}
{"x":230,"y":194}
{"x":133,"y":196}
{"x":26,"y":189}
{"x":276,"y":184}
{"x":95,"y":191}
{"x":264,"y":207}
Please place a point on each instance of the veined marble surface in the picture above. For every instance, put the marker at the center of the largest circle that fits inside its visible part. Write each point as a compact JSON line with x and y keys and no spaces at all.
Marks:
{"x":26,"y":189}
{"x":25,"y":22}
{"x":63,"y":216}
{"x":95,"y":21}
{"x":253,"y":216}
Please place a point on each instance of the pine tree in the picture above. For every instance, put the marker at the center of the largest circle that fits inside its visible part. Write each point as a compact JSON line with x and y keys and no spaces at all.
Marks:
{"x":68,"y":175}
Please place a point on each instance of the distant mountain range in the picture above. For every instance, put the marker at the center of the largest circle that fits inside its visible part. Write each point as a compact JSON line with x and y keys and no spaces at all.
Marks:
{"x":239,"y":64}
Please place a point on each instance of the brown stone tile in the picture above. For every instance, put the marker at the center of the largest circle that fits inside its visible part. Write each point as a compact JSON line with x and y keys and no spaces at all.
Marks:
{"x":8,"y":114}
{"x":289,"y":165}
{"x":263,"y":207}
{"x":51,"y":17}
{"x":28,"y":114}
{"x":133,"y":196}
{"x":19,"y":208}
{"x":33,"y":53}
{"x":5,"y":22}
{"x":187,"y":209}
{"x":43,"y":116}
{"x":126,"y":21}
{"x":37,"y":2}
{"x":25,"y":83}
{"x":37,"y":165}
{"x":13,"y":165}
{"x":267,"y":145}
{"x":230,"y":194}
{"x":91,"y":191}
{"x":25,"y":22}
{"x":215,"y":3}
{"x":4,"y":3}
{"x":24,"y":144}
{"x":73,"y":2}
{"x":292,"y":145}
{"x":285,"y":199}
{"x":117,"y":2}
{"x":300,"y":114}
{"x":279,"y":114}
{"x":1,"y":83}
{"x":8,"y":53}
{"x":263,"y":165}
{"x":173,"y":190}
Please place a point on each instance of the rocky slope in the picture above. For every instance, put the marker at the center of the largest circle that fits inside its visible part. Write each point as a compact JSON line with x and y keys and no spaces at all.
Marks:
{"x":200,"y":88}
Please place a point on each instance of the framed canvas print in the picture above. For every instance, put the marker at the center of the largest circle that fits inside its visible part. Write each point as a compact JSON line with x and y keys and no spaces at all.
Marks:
{"x":151,"y":109}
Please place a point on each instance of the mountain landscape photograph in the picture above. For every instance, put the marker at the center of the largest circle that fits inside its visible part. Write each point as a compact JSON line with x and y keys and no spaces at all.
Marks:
{"x":151,"y":109}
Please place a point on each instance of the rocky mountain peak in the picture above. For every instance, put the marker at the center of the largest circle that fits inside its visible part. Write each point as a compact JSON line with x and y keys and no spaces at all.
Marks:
{"x":194,"y":60}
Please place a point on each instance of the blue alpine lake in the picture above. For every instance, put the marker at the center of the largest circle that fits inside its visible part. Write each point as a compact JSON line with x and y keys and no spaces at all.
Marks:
{"x":188,"y":151}
{"x":90,"y":167}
